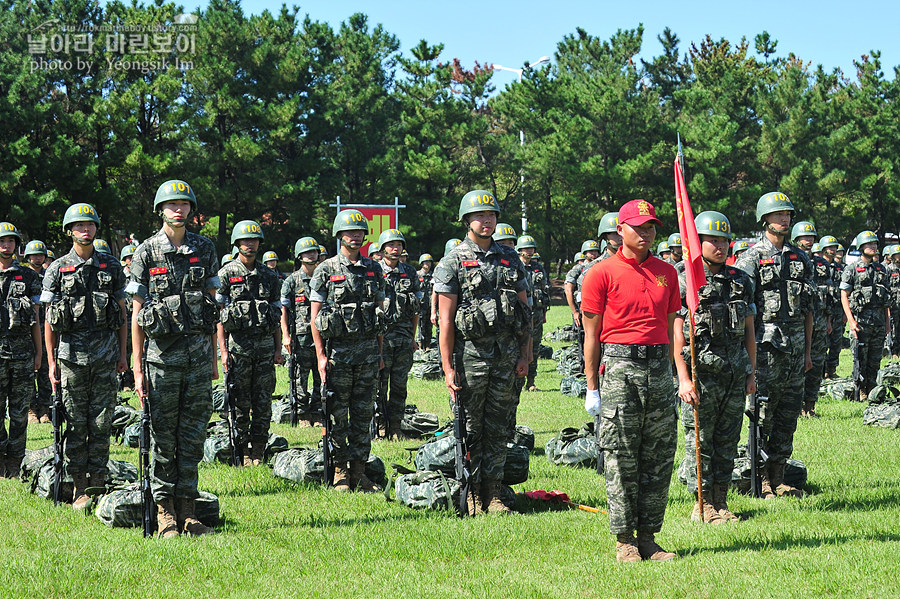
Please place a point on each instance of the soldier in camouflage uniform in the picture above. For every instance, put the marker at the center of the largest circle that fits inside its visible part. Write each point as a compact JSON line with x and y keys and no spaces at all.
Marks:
{"x":629,"y":304}
{"x":610,"y":241}
{"x":250,"y":297}
{"x":784,"y":296}
{"x":35,"y":257}
{"x":126,"y":379}
{"x":803,"y":235}
{"x":451,"y":243}
{"x":725,"y":354}
{"x":296,"y":307}
{"x":425,"y":274}
{"x":891,"y":257}
{"x":590,"y":250}
{"x":829,"y":247}
{"x":540,"y":300}
{"x":485,"y":336}
{"x":270,"y":259}
{"x":663,"y":252}
{"x":173,"y":283}
{"x":676,"y":256}
{"x":739,"y":248}
{"x":866,"y":301}
{"x":401,"y":287}
{"x":20,"y":341}
{"x":83,"y":294}
{"x":347,"y":293}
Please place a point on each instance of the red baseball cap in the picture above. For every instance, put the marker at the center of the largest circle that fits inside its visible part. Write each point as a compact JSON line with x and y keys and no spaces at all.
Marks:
{"x":637,"y":213}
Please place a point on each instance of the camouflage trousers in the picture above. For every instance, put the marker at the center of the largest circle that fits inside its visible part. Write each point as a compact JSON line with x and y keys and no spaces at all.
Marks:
{"x":42,"y":400}
{"x":309,"y":402}
{"x":397,"y":352}
{"x":16,"y":386}
{"x":780,"y":394}
{"x":895,"y":330}
{"x":638,"y":429}
{"x":180,"y":408}
{"x":89,"y":396}
{"x":869,"y":343}
{"x":486,"y":377}
{"x":720,"y":415}
{"x":818,"y":352}
{"x":351,"y":404}
{"x":537,"y":335}
{"x":835,"y":342}
{"x":423,"y":333}
{"x":254,"y":383}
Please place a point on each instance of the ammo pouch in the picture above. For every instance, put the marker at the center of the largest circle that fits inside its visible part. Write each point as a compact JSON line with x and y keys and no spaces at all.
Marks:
{"x":193,"y":313}
{"x":635,"y":352}
{"x":247,"y":314}
{"x":107,"y":312}
{"x":472,"y":321}
{"x":329,"y":322}
{"x":68,"y":314}
{"x":20,"y":308}
{"x":301,"y":319}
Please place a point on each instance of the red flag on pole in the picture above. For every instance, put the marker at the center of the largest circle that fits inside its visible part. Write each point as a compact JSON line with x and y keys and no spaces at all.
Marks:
{"x":690,"y":241}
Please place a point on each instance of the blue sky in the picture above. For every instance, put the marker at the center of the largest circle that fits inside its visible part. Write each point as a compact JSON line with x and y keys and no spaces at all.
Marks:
{"x":510,"y":33}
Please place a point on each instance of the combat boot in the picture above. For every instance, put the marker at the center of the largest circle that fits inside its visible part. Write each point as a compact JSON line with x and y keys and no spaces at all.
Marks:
{"x":473,"y":502}
{"x":776,"y":474}
{"x":720,"y":502}
{"x":45,"y":417}
{"x":382,"y":432}
{"x":187,"y":515}
{"x":33,"y":418}
{"x":358,"y":479}
{"x":766,"y":491}
{"x":166,"y":526}
{"x":12,"y":467}
{"x":393,"y":430}
{"x":650,"y":550}
{"x":627,"y":549}
{"x":80,"y":500}
{"x":258,"y":451}
{"x":530,"y":386}
{"x":809,"y":409}
{"x":710,"y":514}
{"x":490,"y":497}
{"x":341,"y":477}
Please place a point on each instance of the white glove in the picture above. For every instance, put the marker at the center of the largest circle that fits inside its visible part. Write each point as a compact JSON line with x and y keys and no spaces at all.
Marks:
{"x":592,"y":402}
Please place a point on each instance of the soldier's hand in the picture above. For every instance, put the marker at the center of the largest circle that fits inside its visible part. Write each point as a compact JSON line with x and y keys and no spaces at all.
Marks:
{"x":807,"y":363}
{"x":37,"y":361}
{"x":223,"y":358}
{"x":450,"y":380}
{"x":686,"y":392}
{"x":854,"y":326}
{"x":121,"y":366}
{"x":434,"y":318}
{"x":751,"y":383}
{"x":322,"y":366}
{"x":522,"y":367}
{"x":139,"y":385}
{"x":53,"y":372}
{"x":279,"y":359}
{"x":576,"y":316}
{"x":287,"y":346}
{"x":415,"y":345}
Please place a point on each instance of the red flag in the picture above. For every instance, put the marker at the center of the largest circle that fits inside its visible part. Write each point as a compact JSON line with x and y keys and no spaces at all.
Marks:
{"x":690,"y":241}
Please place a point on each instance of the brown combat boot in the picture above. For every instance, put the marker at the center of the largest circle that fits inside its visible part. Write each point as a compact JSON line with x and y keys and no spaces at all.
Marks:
{"x":809,"y":409}
{"x":166,"y":524}
{"x":341,"y":477}
{"x":766,"y":489}
{"x":776,"y":474}
{"x":258,"y":451}
{"x":710,"y":514}
{"x":720,"y":502}
{"x":530,"y":386}
{"x":490,"y":497}
{"x":80,"y":500}
{"x":45,"y":417}
{"x":650,"y":550}
{"x":33,"y":418}
{"x":627,"y":549}
{"x":186,"y":515}
{"x":393,"y":430}
{"x":358,"y":479}
{"x":474,"y":506}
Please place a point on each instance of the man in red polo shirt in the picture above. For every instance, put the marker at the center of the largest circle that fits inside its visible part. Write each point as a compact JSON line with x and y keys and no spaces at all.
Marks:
{"x":629,"y":304}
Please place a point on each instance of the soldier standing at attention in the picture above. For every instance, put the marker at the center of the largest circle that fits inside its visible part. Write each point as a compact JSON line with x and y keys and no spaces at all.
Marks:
{"x":803,"y":235}
{"x":540,"y":300}
{"x":893,"y":272}
{"x":250,"y":296}
{"x":270,"y":259}
{"x":347,"y":293}
{"x":676,"y":255}
{"x":426,"y":265}
{"x":401,"y":288}
{"x":784,"y":297}
{"x":663,"y":252}
{"x":725,"y":352}
{"x":485,"y":335}
{"x":829,"y":245}
{"x":125,"y":258}
{"x":35,"y":258}
{"x":20,"y":348}
{"x":173,"y":282}
{"x":590,"y":250}
{"x":295,"y":304}
{"x":451,"y":243}
{"x":629,"y":305}
{"x":85,"y":335}
{"x":739,"y":248}
{"x":866,"y":301}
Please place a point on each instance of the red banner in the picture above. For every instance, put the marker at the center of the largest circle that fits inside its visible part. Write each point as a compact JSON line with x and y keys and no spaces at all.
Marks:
{"x":690,"y":242}
{"x":380,"y":219}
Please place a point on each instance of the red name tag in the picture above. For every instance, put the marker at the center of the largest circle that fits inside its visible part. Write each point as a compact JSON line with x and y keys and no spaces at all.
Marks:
{"x":403,"y":274}
{"x":103,"y":265}
{"x":767,"y":261}
{"x":470,"y":263}
{"x":236,"y":280}
{"x":194,"y":259}
{"x":792,"y":256}
{"x":370,"y":274}
{"x":299,"y":298}
{"x":504,"y":262}
{"x":67,"y":269}
{"x":159,"y":271}
{"x":860,"y":269}
{"x":18,"y":277}
{"x":731,"y":271}
{"x":336,"y":278}
{"x":895,"y":274}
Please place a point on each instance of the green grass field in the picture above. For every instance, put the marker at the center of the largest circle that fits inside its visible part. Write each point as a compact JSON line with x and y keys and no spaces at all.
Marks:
{"x":285,"y":540}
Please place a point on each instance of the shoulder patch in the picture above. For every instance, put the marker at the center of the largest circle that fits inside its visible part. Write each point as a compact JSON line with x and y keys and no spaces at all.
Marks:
{"x":66,"y":269}
{"x":860,"y":269}
{"x":504,"y":261}
{"x":161,"y":270}
{"x":792,"y":256}
{"x":468,"y":263}
{"x":236,"y":279}
{"x":337,"y":278}
{"x":194,"y":259}
{"x":767,"y":261}
{"x":103,"y":265}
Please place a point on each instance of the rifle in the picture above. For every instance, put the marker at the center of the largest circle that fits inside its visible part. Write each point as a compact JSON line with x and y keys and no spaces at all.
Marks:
{"x":327,"y":440}
{"x":754,"y":445}
{"x":292,"y":370}
{"x":462,"y":453}
{"x":237,"y":452}
{"x":57,"y":415}
{"x":857,"y":376}
{"x":144,"y":455}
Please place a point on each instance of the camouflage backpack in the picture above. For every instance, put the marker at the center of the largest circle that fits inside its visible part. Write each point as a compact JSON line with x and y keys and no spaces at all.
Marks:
{"x":885,"y":415}
{"x":37,"y":472}
{"x":427,"y":365}
{"x":837,"y":389}
{"x":573,"y":386}
{"x":545,"y":352}
{"x":795,"y":472}
{"x":440,"y":455}
{"x":416,"y":424}
{"x":123,"y":417}
{"x":123,"y":508}
{"x":569,"y":361}
{"x":523,"y":436}
{"x":574,"y":447}
{"x":308,"y":465}
{"x":217,"y":447}
{"x":131,"y":436}
{"x":889,"y":375}
{"x":430,"y":490}
{"x":566,"y":333}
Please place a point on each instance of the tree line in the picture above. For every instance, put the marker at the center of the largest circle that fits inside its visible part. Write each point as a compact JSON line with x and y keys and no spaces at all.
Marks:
{"x":272,"y":116}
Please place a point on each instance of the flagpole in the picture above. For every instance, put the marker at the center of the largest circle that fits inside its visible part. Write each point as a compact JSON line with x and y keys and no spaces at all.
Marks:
{"x":680,"y":159}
